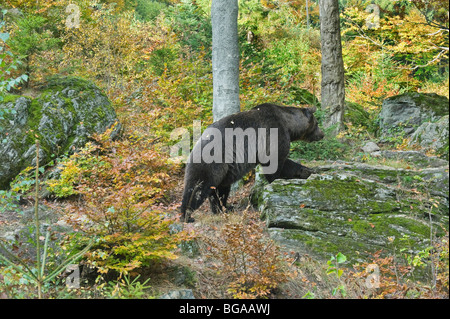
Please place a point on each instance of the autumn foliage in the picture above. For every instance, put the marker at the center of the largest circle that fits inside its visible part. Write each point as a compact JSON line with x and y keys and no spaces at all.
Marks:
{"x":153,"y":60}
{"x":388,"y":278}
{"x":251,"y":264}
{"x":122,"y":187}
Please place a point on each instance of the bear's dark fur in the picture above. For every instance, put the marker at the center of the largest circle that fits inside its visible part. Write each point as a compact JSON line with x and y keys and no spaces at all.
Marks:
{"x":213,"y":180}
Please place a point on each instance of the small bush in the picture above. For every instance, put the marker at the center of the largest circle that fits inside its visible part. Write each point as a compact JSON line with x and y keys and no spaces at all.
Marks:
{"x":327,"y":149}
{"x":389,"y":277}
{"x":122,"y":185}
{"x":147,"y":10}
{"x":251,"y":262}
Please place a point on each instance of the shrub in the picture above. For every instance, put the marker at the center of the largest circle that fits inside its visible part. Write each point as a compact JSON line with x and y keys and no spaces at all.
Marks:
{"x":148,"y":10}
{"x":32,"y":35}
{"x":253,"y":263}
{"x":8,"y":63}
{"x":192,"y":25}
{"x":72,"y":169}
{"x":122,"y":185}
{"x":110,"y":48}
{"x":327,"y":149}
{"x":389,"y":277}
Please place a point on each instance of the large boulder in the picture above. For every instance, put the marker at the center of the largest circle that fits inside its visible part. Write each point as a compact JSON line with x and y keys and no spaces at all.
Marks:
{"x":62,"y":117}
{"x":406,"y":112}
{"x":356,"y":209}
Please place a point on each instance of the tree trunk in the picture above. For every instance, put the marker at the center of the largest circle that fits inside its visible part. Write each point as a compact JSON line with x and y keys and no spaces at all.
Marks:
{"x":333,"y":86}
{"x":225,"y":58}
{"x":307,"y":14}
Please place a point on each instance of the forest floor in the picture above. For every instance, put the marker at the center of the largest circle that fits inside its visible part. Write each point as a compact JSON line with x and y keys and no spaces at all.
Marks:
{"x":192,"y":269}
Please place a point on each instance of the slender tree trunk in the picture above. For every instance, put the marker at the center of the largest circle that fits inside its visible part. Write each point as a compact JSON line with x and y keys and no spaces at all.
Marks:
{"x":225,"y":58}
{"x":307,"y":14}
{"x":333,"y":85}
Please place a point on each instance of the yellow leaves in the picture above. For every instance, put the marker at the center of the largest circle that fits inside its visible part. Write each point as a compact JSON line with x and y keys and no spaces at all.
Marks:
{"x":269,"y":4}
{"x":401,"y":44}
{"x":120,"y":184}
{"x":123,"y":252}
{"x":106,"y":46}
{"x":409,"y":33}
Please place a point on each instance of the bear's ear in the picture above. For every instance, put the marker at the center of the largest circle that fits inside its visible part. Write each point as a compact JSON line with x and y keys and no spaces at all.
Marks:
{"x":307,"y":112}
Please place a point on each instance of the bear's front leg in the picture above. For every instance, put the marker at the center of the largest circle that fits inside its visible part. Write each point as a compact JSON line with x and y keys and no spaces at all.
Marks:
{"x":293,"y":170}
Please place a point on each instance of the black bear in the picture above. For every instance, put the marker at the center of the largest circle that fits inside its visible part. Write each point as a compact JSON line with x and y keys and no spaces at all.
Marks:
{"x":231,"y":147}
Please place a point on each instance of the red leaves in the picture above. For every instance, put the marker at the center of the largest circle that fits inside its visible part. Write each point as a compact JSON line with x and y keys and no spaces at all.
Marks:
{"x":242,"y":252}
{"x":122,"y":188}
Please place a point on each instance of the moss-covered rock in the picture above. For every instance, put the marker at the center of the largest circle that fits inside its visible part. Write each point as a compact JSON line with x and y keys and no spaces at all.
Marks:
{"x":403,"y":114}
{"x":415,"y":159}
{"x":433,"y":179}
{"x":66,"y":112}
{"x":354,"y":208}
{"x":355,"y":114}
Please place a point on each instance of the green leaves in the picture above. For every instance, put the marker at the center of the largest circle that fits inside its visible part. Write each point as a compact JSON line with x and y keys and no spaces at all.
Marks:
{"x":333,"y":268}
{"x":7,"y":64}
{"x":333,"y":264}
{"x":340,"y":258}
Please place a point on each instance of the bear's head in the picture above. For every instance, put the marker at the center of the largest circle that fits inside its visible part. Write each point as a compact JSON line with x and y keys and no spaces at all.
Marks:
{"x":312,"y":133}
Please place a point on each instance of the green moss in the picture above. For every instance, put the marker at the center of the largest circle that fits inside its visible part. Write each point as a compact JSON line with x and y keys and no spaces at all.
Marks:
{"x":69,"y":143}
{"x":58,"y":82}
{"x":35,"y":114}
{"x":54,"y":119}
{"x":363,"y":236}
{"x":356,"y":114}
{"x":378,"y":228}
{"x":349,"y":194}
{"x":437,"y":103}
{"x":443,"y":151}
{"x":325,"y":246}
{"x":34,"y":118}
{"x":7,"y":98}
{"x":343,"y":213}
{"x":382,"y":175}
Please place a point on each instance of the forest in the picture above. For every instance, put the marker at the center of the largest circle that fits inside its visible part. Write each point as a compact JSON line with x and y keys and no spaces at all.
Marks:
{"x":96,"y":95}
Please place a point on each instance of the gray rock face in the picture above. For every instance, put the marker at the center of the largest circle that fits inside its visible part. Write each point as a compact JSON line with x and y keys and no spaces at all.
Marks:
{"x":416,"y":157}
{"x":432,"y":136}
{"x":62,"y":118}
{"x":370,"y":147}
{"x":356,"y":209}
{"x":409,"y":110}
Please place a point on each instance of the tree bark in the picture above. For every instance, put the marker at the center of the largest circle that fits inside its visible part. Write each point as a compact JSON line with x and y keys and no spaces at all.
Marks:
{"x":333,"y":85}
{"x":225,"y":58}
